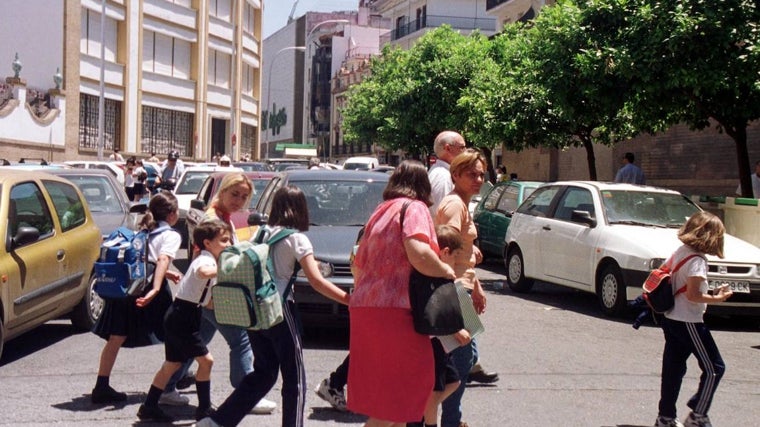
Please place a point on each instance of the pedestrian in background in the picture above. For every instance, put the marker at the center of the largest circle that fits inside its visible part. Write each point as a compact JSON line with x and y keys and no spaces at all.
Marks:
{"x":683,"y":326}
{"x":138,"y":321}
{"x":183,"y":322}
{"x":115,"y":156}
{"x":140,"y":175}
{"x":391,"y":372}
{"x":447,"y":145}
{"x":630,"y":173}
{"x":279,"y":348}
{"x":129,"y":178}
{"x":755,"y":182}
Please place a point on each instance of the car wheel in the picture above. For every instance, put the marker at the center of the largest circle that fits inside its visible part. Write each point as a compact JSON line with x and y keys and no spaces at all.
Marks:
{"x":610,"y":289}
{"x":89,"y":309}
{"x":516,"y":271}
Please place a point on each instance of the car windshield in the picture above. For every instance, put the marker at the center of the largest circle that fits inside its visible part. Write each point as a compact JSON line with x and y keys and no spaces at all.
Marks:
{"x":192,"y":182}
{"x":647,"y":208}
{"x":100,"y":194}
{"x":336,"y":203}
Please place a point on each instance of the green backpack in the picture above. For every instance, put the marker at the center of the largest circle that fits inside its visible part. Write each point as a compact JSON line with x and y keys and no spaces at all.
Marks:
{"x":245,"y":293}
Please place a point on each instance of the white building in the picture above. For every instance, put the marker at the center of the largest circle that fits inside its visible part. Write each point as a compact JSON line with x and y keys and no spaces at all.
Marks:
{"x":177,"y":75}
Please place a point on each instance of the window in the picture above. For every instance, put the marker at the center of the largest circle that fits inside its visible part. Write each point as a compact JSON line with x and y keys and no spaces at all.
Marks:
{"x":247,"y":139}
{"x":28,"y":209}
{"x":89,"y":44}
{"x":575,"y":198}
{"x":219,"y":66}
{"x":248,"y":80}
{"x":222,"y":9}
{"x":509,"y":201}
{"x":539,"y":202}
{"x":68,"y":205}
{"x":166,"y":55}
{"x":88,"y":123}
{"x":165,"y":130}
{"x":249,"y":19}
{"x":493,"y":198}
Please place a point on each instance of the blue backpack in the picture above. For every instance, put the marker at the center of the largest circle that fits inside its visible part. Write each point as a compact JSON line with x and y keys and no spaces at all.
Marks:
{"x":123,"y":269}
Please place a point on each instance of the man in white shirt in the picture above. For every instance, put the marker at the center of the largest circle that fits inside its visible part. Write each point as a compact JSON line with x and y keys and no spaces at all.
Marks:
{"x":755,"y":183}
{"x":448,"y":144}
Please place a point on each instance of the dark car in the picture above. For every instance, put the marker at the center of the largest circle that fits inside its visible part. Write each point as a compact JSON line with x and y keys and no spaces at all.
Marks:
{"x":199,"y":205}
{"x":494,"y":213}
{"x":339,"y":203}
{"x":106,"y":198}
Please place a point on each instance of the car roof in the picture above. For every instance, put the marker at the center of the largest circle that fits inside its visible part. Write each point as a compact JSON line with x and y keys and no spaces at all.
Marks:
{"x":212,"y":169}
{"x":605,"y":185}
{"x":15,"y":175}
{"x":520,"y":183}
{"x":333,"y":175}
{"x":249,"y":174}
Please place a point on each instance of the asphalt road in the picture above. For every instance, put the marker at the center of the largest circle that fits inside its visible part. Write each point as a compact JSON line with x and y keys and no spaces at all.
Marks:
{"x":561,"y":363}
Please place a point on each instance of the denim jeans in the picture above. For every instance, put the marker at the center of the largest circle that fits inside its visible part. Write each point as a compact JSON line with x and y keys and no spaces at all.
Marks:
{"x":682,"y":339}
{"x":241,"y":355}
{"x":451,"y":408}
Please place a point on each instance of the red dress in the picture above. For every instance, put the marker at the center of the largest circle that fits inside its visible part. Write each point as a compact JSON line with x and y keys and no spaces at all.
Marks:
{"x":391,"y":371}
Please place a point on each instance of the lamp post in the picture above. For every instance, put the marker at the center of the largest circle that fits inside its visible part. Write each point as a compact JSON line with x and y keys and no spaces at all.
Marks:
{"x":269,"y":95}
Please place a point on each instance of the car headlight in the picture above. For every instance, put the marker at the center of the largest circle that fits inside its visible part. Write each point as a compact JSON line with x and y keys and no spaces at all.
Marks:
{"x":325,"y":268}
{"x":655,"y":263}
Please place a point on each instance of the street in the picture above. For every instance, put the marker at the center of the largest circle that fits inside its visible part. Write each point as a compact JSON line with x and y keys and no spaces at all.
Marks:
{"x":560,"y":363}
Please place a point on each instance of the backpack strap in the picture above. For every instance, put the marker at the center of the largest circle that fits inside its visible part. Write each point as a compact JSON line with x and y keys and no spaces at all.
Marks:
{"x":271,"y":241}
{"x":682,"y":289}
{"x":402,"y":213}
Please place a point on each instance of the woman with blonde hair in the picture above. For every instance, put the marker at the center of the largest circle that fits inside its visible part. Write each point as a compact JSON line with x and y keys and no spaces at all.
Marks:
{"x":683,"y":326}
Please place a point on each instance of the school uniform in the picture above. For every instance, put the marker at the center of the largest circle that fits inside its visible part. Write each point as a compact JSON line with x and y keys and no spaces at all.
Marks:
{"x":142,"y":326}
{"x":182,"y":322}
{"x":686,"y":334}
{"x":275,"y":350}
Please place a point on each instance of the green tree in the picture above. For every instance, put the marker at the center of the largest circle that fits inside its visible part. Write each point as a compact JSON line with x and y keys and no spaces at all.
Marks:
{"x":689,"y":61}
{"x":411,"y":95}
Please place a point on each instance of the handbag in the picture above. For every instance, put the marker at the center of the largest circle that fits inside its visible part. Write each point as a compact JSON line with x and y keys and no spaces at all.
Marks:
{"x":435,"y":305}
{"x":434,"y":300}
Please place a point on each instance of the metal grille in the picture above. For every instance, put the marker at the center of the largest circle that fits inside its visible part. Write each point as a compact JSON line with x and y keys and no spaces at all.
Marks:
{"x":247,"y":140}
{"x":165,"y":130}
{"x":88,"y":123}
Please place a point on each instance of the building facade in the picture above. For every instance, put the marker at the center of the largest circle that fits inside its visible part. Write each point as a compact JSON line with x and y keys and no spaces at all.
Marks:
{"x":173,"y":74}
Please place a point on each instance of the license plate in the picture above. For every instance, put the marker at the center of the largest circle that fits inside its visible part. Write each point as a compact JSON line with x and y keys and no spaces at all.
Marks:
{"x":740,"y":287}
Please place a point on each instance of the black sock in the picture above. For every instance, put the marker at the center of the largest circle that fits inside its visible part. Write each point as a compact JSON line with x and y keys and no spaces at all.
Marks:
{"x":153,"y":395}
{"x":431,"y":425}
{"x":101,"y":382}
{"x":204,"y":393}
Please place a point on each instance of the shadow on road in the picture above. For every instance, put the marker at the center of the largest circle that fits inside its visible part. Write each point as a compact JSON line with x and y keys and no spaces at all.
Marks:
{"x":37,"y":339}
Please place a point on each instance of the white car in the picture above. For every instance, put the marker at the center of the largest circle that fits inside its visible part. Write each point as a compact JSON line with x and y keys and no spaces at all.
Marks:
{"x":113,"y":167}
{"x":605,"y":238}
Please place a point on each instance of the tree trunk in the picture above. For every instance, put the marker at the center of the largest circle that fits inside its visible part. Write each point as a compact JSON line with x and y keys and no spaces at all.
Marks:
{"x":742,"y":159}
{"x":590,"y":158}
{"x":489,"y":164}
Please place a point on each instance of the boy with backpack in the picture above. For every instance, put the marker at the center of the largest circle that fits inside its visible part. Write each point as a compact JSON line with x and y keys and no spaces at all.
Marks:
{"x":183,"y":320}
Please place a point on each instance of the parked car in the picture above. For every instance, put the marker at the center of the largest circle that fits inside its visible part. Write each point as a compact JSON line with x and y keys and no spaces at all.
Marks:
{"x":51,"y":243}
{"x":493,"y":213}
{"x":252,"y":166}
{"x":106,"y":199}
{"x":187,"y":187}
{"x":112,"y":167}
{"x":199,"y":205}
{"x":339,"y":203}
{"x":605,"y":238}
{"x":360,"y":163}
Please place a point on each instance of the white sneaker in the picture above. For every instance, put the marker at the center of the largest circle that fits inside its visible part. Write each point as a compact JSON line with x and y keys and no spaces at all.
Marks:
{"x":696,"y":420}
{"x":173,"y":398}
{"x":667,"y":422}
{"x":333,"y":396}
{"x":264,"y":407}
{"x":206,"y":422}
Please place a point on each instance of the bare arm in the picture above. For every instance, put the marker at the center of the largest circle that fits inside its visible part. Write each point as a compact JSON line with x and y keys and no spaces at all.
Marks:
{"x":693,"y":293}
{"x":319,"y":283}
{"x":425,"y":260}
{"x":162,"y":266}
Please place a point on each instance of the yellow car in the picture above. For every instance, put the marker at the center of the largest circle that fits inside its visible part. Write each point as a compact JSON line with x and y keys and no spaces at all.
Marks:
{"x":51,"y":243}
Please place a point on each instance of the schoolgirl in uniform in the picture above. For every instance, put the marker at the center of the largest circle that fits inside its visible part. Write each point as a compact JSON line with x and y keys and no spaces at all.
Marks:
{"x":684,"y":329}
{"x":182,"y":323}
{"x":279,"y":348}
{"x":138,"y":322}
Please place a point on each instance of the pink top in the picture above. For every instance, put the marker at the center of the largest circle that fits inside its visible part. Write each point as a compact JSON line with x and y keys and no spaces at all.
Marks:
{"x":382,"y":268}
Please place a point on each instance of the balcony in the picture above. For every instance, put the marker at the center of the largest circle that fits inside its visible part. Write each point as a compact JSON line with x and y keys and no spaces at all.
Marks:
{"x":434,"y":21}
{"x":490,"y":4}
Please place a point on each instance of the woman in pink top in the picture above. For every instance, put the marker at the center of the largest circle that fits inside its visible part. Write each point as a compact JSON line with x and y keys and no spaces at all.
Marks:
{"x":391,"y":372}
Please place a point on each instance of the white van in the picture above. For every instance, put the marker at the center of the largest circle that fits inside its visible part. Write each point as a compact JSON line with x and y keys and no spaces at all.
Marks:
{"x":360,"y":163}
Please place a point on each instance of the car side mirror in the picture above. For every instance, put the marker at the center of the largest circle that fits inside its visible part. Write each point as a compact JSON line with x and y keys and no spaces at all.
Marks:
{"x":584,"y":217}
{"x":24,"y":236}
{"x":257,"y":218}
{"x":198,"y":204}
{"x":138,"y":208}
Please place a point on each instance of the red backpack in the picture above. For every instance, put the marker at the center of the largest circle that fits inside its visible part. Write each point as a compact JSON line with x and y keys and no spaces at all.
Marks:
{"x":658,"y":289}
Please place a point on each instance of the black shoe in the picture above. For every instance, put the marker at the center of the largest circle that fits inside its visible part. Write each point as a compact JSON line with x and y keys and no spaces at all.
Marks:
{"x":201,"y":413}
{"x":153,"y":413}
{"x":107,"y":395}
{"x":186,"y":381}
{"x":483,"y":377}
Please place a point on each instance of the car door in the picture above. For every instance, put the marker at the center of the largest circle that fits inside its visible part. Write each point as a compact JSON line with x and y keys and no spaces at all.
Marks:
{"x":526,"y":229}
{"x":39,"y":273}
{"x":568,"y":244}
{"x":487,"y":219}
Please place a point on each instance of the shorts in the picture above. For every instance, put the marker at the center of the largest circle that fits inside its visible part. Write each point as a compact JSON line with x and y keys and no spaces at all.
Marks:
{"x":183,"y":338}
{"x":445,"y":370}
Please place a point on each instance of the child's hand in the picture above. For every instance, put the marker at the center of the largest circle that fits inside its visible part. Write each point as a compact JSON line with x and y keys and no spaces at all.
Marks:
{"x":463,"y":337}
{"x":144,"y":301}
{"x":174,"y":276}
{"x":725,"y":292}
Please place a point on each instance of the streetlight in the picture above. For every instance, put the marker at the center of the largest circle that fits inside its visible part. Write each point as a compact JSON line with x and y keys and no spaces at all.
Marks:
{"x":269,"y":95}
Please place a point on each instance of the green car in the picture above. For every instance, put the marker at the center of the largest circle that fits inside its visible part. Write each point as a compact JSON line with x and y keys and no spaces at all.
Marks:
{"x":494,"y":213}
